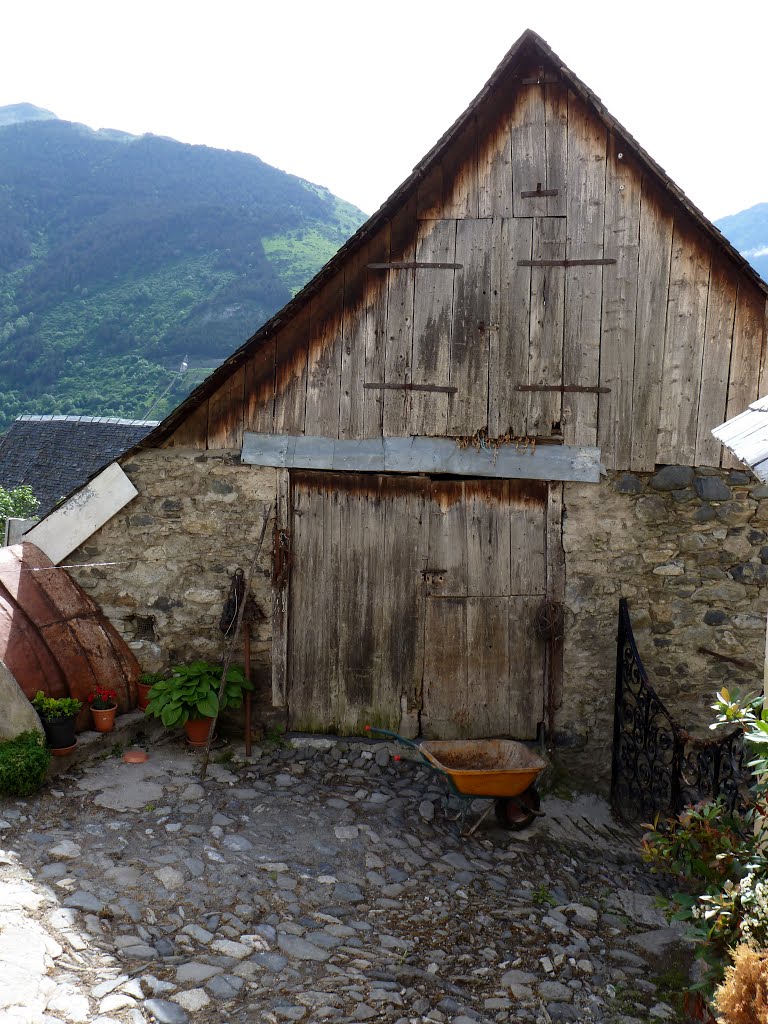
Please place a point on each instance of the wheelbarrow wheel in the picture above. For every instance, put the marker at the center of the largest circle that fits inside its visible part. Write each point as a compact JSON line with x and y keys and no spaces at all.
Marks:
{"x":517,"y":812}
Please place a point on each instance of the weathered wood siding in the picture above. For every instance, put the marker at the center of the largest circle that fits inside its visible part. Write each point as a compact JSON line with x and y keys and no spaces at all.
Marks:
{"x":537,"y":281}
{"x":414,"y":605}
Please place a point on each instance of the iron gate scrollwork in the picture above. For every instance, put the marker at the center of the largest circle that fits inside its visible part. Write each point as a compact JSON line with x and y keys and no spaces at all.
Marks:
{"x":659,"y":768}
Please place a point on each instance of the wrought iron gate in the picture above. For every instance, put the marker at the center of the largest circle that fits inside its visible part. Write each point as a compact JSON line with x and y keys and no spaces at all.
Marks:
{"x":658,"y":768}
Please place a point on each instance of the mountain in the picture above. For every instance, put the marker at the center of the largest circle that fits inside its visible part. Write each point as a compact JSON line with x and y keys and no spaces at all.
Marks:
{"x":121,"y":256}
{"x":748,"y":232}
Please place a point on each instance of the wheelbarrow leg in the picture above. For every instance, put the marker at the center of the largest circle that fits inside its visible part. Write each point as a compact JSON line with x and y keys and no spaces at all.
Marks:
{"x":480,"y":820}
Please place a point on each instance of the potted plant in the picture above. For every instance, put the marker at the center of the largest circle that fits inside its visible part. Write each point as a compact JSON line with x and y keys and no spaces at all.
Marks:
{"x":189,"y":697}
{"x":146,"y":681}
{"x":103,"y":704}
{"x":58,"y":716}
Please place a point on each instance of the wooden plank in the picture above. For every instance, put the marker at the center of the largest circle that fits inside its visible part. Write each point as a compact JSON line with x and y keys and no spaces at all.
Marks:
{"x":432,"y":325}
{"x":429,"y":195}
{"x":489,"y":552}
{"x":491,"y":677}
{"x":193,"y":432}
{"x":291,"y":376}
{"x":402,"y":596}
{"x":652,"y":292}
{"x":547,"y":327}
{"x":746,"y":354}
{"x":683,"y":346}
{"x":555,"y":571}
{"x":351,"y":396}
{"x":763,"y":384}
{"x":399,"y":335}
{"x":526,"y":655}
{"x":623,"y":189}
{"x":529,"y":154}
{"x":375,"y":336}
{"x":511,"y":310}
{"x":494,"y":165}
{"x":407,"y":455}
{"x":472,"y":328}
{"x":281,"y":588}
{"x":460,"y":183}
{"x":587,"y":141}
{"x":718,"y":336}
{"x":324,"y":360}
{"x":447,"y":707}
{"x":527,"y":538}
{"x":447,"y":539}
{"x":225,"y":413}
{"x":556,"y":134}
{"x":259,"y":405}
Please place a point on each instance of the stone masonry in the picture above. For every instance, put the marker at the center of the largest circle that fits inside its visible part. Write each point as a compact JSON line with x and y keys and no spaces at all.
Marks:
{"x":687,"y":548}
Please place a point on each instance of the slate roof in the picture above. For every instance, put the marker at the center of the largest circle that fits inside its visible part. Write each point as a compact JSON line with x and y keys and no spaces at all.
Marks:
{"x":57,"y":454}
{"x":746,"y":437}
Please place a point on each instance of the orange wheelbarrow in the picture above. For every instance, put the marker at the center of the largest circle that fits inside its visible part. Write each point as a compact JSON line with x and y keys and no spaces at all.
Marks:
{"x":504,"y":771}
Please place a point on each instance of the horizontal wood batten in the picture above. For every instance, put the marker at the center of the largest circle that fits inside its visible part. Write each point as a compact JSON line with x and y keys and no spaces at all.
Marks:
{"x":422,"y":455}
{"x":445,"y":389}
{"x":565,"y":263}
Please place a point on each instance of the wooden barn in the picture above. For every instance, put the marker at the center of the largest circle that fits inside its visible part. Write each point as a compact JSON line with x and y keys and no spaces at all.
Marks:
{"x":485,"y":420}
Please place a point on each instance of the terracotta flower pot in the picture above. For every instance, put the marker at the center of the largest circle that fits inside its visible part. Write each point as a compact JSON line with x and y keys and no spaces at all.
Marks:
{"x":144,"y":689}
{"x":197,"y":730}
{"x":104,"y":718}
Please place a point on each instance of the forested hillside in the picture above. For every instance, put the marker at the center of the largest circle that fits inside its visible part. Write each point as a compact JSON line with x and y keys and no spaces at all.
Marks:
{"x":748,"y":231}
{"x":120,"y":255}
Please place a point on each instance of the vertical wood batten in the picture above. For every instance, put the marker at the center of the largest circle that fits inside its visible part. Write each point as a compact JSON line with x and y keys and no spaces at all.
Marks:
{"x":587,"y":141}
{"x":291,"y":376}
{"x":352,"y":392}
{"x":652,"y":292}
{"x":225,"y":413}
{"x":683,"y":346}
{"x":399,"y":336}
{"x":432,"y":324}
{"x":193,"y":432}
{"x":529,"y":158}
{"x":746,"y":352}
{"x":509,"y":345}
{"x":547,"y":327}
{"x":324,"y":360}
{"x":281,"y":595}
{"x":556,"y":133}
{"x":259,"y":410}
{"x":718,"y":337}
{"x":472,"y":327}
{"x":375,"y":336}
{"x":618,"y":322}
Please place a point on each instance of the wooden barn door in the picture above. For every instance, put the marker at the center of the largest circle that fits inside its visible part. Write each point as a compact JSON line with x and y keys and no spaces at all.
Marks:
{"x":413,"y":605}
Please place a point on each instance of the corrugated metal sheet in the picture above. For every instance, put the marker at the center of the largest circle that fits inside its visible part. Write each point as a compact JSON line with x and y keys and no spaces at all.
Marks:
{"x":746,"y":437}
{"x":54,"y":638}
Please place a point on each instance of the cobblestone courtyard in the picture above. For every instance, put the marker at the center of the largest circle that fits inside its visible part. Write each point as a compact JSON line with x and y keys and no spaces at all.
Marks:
{"x":316,"y":883}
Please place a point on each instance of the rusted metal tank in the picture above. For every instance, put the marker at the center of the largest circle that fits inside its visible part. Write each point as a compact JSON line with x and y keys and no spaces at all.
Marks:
{"x":54,"y":638}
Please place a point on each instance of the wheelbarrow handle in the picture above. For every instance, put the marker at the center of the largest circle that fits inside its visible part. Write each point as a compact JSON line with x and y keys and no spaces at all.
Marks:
{"x":393,"y":735}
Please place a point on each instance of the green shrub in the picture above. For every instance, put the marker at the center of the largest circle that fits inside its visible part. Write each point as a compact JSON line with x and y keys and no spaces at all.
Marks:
{"x":51,"y":708}
{"x":23,"y":764}
{"x":192,"y":692}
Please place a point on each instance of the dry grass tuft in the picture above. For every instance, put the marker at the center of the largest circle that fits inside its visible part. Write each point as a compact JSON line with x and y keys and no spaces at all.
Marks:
{"x":743,"y":996}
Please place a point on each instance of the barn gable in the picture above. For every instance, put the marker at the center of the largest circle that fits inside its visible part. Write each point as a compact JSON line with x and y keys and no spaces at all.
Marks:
{"x":537,"y":276}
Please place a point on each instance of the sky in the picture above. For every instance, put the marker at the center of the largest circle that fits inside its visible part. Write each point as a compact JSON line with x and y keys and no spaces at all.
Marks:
{"x":351,"y":95}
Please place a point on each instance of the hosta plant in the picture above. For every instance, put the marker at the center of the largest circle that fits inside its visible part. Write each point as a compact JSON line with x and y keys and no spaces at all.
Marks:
{"x":192,"y":690}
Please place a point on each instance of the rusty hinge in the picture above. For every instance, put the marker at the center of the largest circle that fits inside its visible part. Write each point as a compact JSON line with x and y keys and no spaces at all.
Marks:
{"x":539,"y":191}
{"x":570,"y":388}
{"x":442,"y":388}
{"x":565,"y":263}
{"x":414,"y":266}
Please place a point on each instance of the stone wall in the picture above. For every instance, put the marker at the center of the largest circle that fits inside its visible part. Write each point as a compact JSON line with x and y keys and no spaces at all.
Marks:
{"x":196,"y":519}
{"x":689,"y":551}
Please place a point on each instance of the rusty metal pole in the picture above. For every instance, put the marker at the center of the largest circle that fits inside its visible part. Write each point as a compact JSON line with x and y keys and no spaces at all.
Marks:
{"x":247,"y":660}
{"x":228,"y":660}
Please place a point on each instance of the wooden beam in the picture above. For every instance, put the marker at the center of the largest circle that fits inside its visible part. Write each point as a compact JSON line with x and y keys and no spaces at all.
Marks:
{"x":424,"y":455}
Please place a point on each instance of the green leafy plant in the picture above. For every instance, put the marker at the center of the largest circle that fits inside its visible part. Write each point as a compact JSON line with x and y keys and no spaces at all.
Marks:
{"x":51,"y":708}
{"x":191,"y":692}
{"x":23,"y":764}
{"x":19,"y":502}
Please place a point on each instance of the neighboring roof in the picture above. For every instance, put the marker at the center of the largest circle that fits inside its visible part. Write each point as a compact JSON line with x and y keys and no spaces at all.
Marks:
{"x":746,"y":437}
{"x":528,"y":47}
{"x":57,"y":454}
